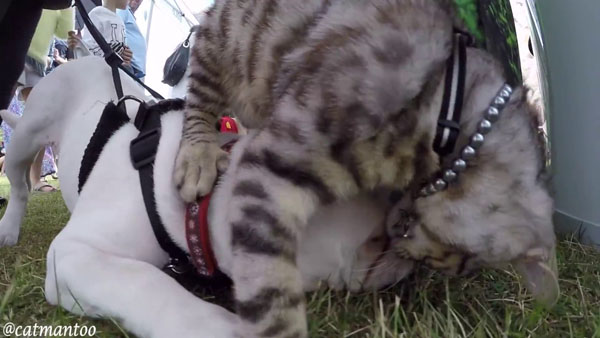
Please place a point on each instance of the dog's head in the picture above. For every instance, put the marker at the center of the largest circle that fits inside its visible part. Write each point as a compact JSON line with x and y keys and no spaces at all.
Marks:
{"x":347,"y":247}
{"x":499,"y":210}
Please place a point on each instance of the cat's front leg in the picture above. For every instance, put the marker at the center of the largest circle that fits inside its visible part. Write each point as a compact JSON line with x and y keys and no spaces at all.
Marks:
{"x":200,"y":158}
{"x":274,"y":194}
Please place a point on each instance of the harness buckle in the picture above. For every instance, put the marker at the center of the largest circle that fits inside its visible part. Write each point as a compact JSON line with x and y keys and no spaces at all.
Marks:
{"x":177,"y":267}
{"x":143,"y":148}
{"x":449,"y":124}
{"x":113,"y":59}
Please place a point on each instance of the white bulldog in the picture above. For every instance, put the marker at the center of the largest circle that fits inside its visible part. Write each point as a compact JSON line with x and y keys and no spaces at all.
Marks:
{"x":107,"y":261}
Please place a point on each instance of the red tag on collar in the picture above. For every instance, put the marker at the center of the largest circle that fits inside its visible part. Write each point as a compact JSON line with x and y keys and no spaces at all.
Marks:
{"x":228,"y":125}
{"x":196,"y":220}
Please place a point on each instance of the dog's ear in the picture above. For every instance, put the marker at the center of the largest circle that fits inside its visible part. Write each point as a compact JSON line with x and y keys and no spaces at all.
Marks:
{"x":539,"y":271}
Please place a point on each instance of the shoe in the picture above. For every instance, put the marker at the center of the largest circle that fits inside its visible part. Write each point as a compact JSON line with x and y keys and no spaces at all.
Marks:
{"x":44,"y":187}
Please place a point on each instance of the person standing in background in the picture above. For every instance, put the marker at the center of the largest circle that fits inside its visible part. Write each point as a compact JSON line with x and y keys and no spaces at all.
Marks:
{"x":110,"y":26}
{"x":88,"y":5}
{"x":17,"y":24}
{"x":18,"y":20}
{"x":57,"y":54}
{"x":53,"y":23}
{"x":135,"y":40}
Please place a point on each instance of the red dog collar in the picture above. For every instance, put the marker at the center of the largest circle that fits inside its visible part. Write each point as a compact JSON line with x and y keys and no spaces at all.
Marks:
{"x":196,"y":221}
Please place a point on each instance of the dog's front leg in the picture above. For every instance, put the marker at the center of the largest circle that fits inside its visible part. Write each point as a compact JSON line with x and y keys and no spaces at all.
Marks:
{"x":149,"y":303}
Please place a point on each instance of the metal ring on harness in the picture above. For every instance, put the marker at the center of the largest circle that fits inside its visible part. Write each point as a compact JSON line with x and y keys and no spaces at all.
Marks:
{"x":129,"y":97}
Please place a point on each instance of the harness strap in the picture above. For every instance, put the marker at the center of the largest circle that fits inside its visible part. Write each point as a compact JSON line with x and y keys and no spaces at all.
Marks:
{"x":152,"y":92}
{"x":448,"y":126}
{"x":117,"y":81}
{"x":143,"y":154}
{"x":112,"y":119}
{"x":113,"y":59}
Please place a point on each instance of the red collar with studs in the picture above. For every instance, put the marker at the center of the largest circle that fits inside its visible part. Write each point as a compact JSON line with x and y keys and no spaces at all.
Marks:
{"x":196,"y":220}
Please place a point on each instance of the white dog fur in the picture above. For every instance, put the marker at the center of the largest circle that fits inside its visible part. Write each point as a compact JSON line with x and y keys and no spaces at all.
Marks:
{"x":106,"y":261}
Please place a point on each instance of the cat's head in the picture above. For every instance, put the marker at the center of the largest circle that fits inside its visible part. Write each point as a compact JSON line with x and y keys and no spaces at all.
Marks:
{"x":499,"y":210}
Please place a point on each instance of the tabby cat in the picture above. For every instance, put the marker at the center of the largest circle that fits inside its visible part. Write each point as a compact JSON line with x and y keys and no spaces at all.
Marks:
{"x":343,"y":97}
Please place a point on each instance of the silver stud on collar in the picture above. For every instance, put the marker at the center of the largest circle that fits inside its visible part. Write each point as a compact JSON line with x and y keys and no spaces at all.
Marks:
{"x":500,"y":101}
{"x":459,"y":165}
{"x":440,"y":184}
{"x":485,"y":126}
{"x":492,"y":114}
{"x":428,"y":190}
{"x":450,"y":175}
{"x":477,"y":141}
{"x":506,"y":91}
{"x":469,"y":152}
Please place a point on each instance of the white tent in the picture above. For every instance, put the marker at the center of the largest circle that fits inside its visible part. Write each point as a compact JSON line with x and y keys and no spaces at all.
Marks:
{"x":166,"y":24}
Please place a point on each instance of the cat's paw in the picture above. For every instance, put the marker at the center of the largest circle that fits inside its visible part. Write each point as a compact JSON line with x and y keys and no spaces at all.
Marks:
{"x":196,"y":168}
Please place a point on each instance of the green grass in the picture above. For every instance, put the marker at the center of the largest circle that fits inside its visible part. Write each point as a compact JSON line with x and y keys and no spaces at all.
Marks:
{"x":489,"y":304}
{"x":23,"y":268}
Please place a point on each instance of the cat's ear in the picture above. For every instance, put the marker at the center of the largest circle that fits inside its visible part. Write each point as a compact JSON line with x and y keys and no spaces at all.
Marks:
{"x":539,"y":271}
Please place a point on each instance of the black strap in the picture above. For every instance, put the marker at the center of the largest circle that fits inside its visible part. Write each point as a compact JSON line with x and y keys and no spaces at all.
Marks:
{"x":152,"y":92}
{"x":143,"y":153}
{"x":448,"y":126}
{"x":112,"y":119}
{"x":113,"y":59}
{"x":117,"y":81}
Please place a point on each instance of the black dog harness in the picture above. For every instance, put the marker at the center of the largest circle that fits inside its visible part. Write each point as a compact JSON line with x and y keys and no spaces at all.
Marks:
{"x":142,"y":152}
{"x":143,"y":155}
{"x":143,"y":148}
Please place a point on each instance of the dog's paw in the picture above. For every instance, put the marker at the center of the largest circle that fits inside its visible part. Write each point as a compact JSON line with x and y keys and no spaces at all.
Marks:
{"x":196,"y":168}
{"x":8,"y":235}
